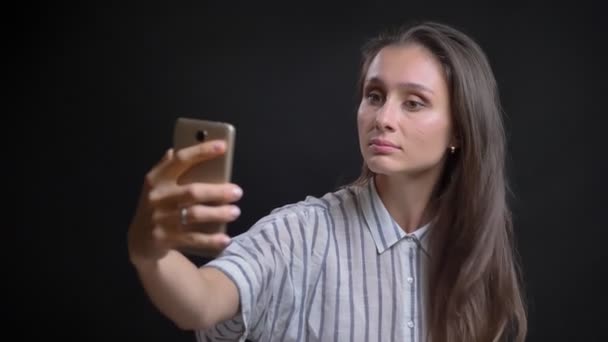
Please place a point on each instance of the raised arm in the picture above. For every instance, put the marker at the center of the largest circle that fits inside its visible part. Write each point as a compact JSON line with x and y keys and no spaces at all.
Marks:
{"x":192,"y":297}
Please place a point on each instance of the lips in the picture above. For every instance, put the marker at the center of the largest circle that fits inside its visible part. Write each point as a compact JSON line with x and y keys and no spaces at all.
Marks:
{"x":379,"y":146}
{"x":383,"y":143}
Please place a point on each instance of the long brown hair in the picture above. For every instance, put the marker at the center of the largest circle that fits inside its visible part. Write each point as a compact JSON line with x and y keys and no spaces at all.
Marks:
{"x":474,"y":286}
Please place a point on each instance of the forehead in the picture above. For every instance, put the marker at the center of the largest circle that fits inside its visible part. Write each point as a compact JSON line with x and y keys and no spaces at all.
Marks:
{"x":410,"y":63}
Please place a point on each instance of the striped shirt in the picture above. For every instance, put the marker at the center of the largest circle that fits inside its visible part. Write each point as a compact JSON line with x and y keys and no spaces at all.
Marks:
{"x":332,"y":268}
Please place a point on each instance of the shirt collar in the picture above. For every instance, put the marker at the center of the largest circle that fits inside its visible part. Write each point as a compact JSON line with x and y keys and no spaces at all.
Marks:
{"x":385,"y":231}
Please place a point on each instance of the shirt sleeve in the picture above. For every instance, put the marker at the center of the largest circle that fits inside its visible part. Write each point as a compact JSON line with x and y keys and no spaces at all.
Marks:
{"x":254,"y":261}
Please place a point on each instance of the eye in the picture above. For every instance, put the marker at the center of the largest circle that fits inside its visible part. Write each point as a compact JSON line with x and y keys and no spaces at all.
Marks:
{"x":374,"y":97}
{"x":413,"y":105}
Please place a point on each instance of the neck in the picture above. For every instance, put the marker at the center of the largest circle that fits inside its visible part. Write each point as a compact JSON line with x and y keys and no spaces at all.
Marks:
{"x":407,"y":199}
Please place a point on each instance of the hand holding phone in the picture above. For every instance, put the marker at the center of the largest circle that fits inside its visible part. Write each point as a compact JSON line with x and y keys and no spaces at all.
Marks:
{"x":191,"y":132}
{"x":187,"y":197}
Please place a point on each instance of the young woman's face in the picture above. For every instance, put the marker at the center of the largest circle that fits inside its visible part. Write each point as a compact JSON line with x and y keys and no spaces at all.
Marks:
{"x":404,"y":118}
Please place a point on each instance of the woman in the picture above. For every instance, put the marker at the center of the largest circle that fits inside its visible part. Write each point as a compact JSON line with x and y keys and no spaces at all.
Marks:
{"x":418,"y":249}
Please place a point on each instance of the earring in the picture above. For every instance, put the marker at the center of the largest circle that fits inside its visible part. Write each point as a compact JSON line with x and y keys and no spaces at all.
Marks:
{"x":452,"y":149}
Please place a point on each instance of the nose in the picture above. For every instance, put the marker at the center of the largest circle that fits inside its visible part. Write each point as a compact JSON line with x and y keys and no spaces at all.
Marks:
{"x":386,"y":117}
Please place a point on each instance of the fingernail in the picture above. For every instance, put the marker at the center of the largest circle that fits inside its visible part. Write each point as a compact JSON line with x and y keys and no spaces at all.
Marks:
{"x":224,"y":240}
{"x":238,"y":192}
{"x":218,"y":146}
{"x":235,"y":211}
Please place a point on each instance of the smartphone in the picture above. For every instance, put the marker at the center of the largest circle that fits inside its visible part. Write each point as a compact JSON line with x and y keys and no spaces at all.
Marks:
{"x":191,"y":131}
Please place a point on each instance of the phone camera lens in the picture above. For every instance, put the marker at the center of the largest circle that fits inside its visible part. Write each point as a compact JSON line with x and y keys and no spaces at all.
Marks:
{"x":201,"y":135}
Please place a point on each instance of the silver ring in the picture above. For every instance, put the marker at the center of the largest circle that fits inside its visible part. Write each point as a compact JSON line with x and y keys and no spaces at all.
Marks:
{"x":183,"y":216}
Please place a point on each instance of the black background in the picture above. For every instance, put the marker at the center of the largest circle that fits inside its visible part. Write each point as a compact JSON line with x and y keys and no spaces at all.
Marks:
{"x":103,"y":83}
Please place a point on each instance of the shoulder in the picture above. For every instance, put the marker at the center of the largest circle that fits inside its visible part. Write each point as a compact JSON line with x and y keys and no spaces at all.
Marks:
{"x":300,"y":220}
{"x":309,"y":207}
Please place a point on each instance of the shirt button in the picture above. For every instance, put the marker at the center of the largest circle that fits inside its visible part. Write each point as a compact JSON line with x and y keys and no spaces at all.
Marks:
{"x":410,"y":280}
{"x":410,"y":324}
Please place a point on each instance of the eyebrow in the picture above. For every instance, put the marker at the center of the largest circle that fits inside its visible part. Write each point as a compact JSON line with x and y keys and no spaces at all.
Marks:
{"x":403,"y":85}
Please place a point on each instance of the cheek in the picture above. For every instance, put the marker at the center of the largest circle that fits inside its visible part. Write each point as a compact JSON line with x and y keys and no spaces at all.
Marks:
{"x":361,"y":121}
{"x":433,"y":132}
{"x":364,"y":118}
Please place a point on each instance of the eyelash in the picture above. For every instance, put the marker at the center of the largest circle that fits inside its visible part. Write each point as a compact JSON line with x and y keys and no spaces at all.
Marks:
{"x":375,"y":93}
{"x":417,"y":104}
{"x":371,"y":94}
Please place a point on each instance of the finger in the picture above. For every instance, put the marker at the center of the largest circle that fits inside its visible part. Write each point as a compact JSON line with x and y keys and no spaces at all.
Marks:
{"x":166,"y":220}
{"x":171,"y":221}
{"x":160,"y":167}
{"x":203,"y":244}
{"x":160,"y":233}
{"x":207,"y":245}
{"x":202,"y":213}
{"x":186,"y":157}
{"x":187,"y":195}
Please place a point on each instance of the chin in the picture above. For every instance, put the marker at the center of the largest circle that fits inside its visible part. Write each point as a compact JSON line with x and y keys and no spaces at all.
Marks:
{"x":383,"y":167}
{"x":388,"y":167}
